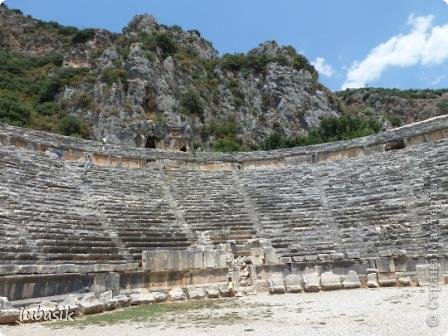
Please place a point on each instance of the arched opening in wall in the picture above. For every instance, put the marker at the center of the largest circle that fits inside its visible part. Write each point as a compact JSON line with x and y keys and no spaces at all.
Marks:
{"x":151,"y":142}
{"x":183,"y":149}
{"x":396,"y":145}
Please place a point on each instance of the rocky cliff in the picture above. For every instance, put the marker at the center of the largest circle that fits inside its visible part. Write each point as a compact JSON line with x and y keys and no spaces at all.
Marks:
{"x":396,"y":107}
{"x":158,"y":86}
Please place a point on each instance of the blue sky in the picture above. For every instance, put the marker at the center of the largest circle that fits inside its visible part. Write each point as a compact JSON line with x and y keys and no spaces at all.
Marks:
{"x":340,"y":37}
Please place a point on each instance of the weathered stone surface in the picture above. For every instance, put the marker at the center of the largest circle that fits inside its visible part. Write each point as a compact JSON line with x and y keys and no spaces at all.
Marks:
{"x":387,"y":282}
{"x":104,"y":282}
{"x":337,"y":256}
{"x":224,"y":291}
{"x":9,"y":316}
{"x":122,"y":301}
{"x":404,"y":282}
{"x":429,"y":274}
{"x":142,"y":297}
{"x":311,"y":282}
{"x":351,"y":280}
{"x":71,"y":304}
{"x":330,"y":281}
{"x":286,"y":260}
{"x":91,"y":305}
{"x":293,"y":283}
{"x":277,"y":284}
{"x":160,"y":297}
{"x":353,"y":255}
{"x":372,"y":280}
{"x":196,"y":259}
{"x":212,"y":292}
{"x":196,"y":293}
{"x":270,"y":256}
{"x":108,"y":300}
{"x":177,"y":294}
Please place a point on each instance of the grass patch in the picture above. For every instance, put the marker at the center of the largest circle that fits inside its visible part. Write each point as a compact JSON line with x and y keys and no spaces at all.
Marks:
{"x":144,"y":313}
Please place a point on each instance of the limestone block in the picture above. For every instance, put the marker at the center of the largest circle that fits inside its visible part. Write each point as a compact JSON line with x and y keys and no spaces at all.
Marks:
{"x":372,"y":280}
{"x":353,"y":255}
{"x":71,"y":304}
{"x":324,"y":257}
{"x":222,"y":259}
{"x":257,"y":256}
{"x":212,"y":292}
{"x":196,"y":293}
{"x":311,"y":257}
{"x":91,"y":305}
{"x":177,"y":294}
{"x":276,"y":284}
{"x":122,"y":301}
{"x":388,"y":282}
{"x":209,"y":259}
{"x":351,"y":280}
{"x":270,"y":257}
{"x":104,"y":282}
{"x":429,"y":274}
{"x":298,"y":259}
{"x":149,"y":260}
{"x":184,"y":260}
{"x":8,"y":315}
{"x":385,"y":265}
{"x":285,"y":260}
{"x":196,"y":259}
{"x":142,"y":297}
{"x":311,"y":282}
{"x":39,"y":312}
{"x":107,"y":299}
{"x":337,"y":256}
{"x":160,"y":297}
{"x":4,"y":303}
{"x":224,"y":291}
{"x":371,"y":270}
{"x":330,"y":281}
{"x":404,"y":282}
{"x":293,"y":283}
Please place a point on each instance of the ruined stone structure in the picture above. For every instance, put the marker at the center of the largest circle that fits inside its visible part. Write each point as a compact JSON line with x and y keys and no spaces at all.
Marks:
{"x":347,"y":207}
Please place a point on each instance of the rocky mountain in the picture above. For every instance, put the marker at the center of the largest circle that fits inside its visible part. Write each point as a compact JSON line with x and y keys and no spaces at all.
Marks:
{"x":396,"y":107}
{"x":154,"y":86}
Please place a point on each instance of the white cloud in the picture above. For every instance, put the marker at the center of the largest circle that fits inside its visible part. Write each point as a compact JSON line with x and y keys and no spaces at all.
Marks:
{"x":446,"y":1}
{"x":322,"y":67}
{"x":426,"y":44}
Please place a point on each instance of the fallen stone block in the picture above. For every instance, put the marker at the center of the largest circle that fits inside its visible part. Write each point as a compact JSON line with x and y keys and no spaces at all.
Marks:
{"x":196,"y":293}
{"x":177,"y":294}
{"x":388,"y":282}
{"x":372,"y":280}
{"x":160,"y":297}
{"x":71,"y":305}
{"x":337,"y":256}
{"x":39,"y":312}
{"x":8,"y":314}
{"x":293,"y":283}
{"x":429,"y":274}
{"x":371,"y":270}
{"x":351,"y":280}
{"x":91,"y":305}
{"x":311,"y":282}
{"x":122,"y":301}
{"x":212,"y":292}
{"x":107,"y":299}
{"x":404,"y":282}
{"x":276,"y":284}
{"x":330,"y":281}
{"x":224,"y":291}
{"x":142,"y":297}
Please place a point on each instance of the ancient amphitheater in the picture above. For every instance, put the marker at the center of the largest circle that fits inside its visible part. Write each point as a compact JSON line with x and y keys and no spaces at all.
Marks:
{"x":148,"y":225}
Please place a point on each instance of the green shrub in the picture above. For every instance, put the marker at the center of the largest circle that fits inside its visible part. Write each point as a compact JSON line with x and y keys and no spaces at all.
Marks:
{"x":12,"y":111}
{"x":227,"y":145}
{"x":330,"y":129}
{"x":443,"y":105}
{"x":110,"y":76}
{"x":159,"y":41}
{"x":190,"y":104}
{"x":48,"y":109}
{"x":83,"y":36}
{"x":72,"y":126}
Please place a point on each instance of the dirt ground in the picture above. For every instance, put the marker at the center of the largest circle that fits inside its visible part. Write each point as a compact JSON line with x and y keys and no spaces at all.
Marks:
{"x":377,"y":312}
